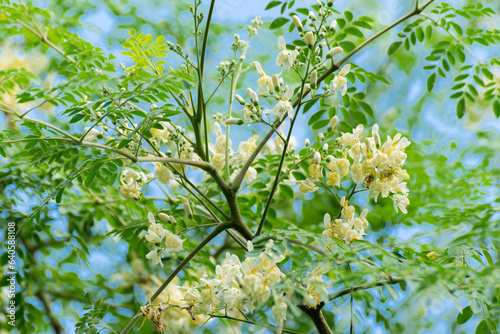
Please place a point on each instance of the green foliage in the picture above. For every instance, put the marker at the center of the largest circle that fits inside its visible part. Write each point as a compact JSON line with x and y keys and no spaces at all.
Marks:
{"x":79,"y":121}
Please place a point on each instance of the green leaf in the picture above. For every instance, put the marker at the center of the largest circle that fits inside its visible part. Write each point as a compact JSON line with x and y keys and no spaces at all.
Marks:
{"x":482,"y":328}
{"x":348,"y":16}
{"x":354,"y":31}
{"x":279,"y":22}
{"x":496,"y":108}
{"x":431,"y":81}
{"x":461,"y":108}
{"x":347,"y":46}
{"x":272,"y":4}
{"x":393,"y":47}
{"x":286,"y":190}
{"x":464,"y":316}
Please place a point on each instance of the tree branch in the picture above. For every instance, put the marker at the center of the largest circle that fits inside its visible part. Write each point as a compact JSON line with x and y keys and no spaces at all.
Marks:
{"x":340,"y":293}
{"x":316,"y":316}
{"x":54,"y":322}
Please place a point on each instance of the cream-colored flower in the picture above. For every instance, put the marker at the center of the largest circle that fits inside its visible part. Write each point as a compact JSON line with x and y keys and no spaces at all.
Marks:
{"x":286,"y":58}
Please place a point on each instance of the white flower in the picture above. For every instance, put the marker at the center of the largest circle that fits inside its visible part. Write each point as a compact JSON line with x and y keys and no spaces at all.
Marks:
{"x":284,"y":105}
{"x":131,"y":183}
{"x":401,"y":202}
{"x":265,"y":82}
{"x":155,"y":256}
{"x":306,"y":186}
{"x":286,"y":58}
{"x":173,"y":242}
{"x":279,"y":311}
{"x":340,"y":81}
{"x":218,"y":160}
{"x":162,"y":173}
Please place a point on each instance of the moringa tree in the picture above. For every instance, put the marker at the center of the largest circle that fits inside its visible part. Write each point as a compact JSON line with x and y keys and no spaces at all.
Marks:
{"x":188,"y":202}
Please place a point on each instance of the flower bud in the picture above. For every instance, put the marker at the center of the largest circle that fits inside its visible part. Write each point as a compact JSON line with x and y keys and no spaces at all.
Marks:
{"x":333,"y":25}
{"x":333,"y":52}
{"x":298,"y":23}
{"x":164,"y":217}
{"x":253,"y":96}
{"x":310,"y":39}
{"x":276,"y":82}
{"x":307,"y":143}
{"x":314,"y":79}
{"x":321,"y":137}
{"x":329,"y":3}
{"x":319,"y":4}
{"x":325,"y":147}
{"x":378,"y":143}
{"x":317,"y":158}
{"x":374,"y":129}
{"x":239,"y":99}
{"x":234,"y":121}
{"x":187,"y":207}
{"x":311,"y":15}
{"x":332,"y":124}
{"x":307,"y":88}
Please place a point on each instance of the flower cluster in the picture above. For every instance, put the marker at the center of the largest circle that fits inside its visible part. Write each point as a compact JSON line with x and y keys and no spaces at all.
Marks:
{"x":347,"y":227}
{"x":131,"y":182}
{"x":163,"y":240}
{"x":236,"y":285}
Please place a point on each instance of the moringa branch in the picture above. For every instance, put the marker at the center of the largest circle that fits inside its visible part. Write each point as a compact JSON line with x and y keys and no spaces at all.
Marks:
{"x":216,"y":231}
{"x":239,"y":178}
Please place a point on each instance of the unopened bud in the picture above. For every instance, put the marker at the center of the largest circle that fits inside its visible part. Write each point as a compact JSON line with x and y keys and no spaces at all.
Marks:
{"x":317,"y":158}
{"x":329,"y":3}
{"x":310,"y":39}
{"x":378,"y":143}
{"x":312,"y":16}
{"x":334,"y":51}
{"x":314,"y":79}
{"x":319,"y":4}
{"x":321,"y":137}
{"x":333,"y":25}
{"x":325,"y":147}
{"x":298,"y":23}
{"x":187,"y":207}
{"x":307,"y":143}
{"x":239,"y":99}
{"x":307,"y":88}
{"x":234,"y":121}
{"x":332,"y":124}
{"x":164,"y":217}
{"x":253,"y":96}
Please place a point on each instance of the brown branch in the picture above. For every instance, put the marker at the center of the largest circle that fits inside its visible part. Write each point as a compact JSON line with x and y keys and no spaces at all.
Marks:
{"x":317,"y":317}
{"x":54,"y":322}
